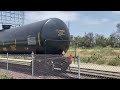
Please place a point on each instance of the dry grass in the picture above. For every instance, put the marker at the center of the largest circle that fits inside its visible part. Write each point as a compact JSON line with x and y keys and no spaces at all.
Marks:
{"x":107,"y":55}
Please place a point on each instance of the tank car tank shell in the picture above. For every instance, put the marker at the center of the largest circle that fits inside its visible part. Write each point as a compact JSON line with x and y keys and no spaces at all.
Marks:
{"x":49,"y":36}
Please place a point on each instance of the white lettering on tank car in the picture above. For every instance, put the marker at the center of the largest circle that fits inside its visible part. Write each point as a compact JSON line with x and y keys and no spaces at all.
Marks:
{"x":31,"y":40}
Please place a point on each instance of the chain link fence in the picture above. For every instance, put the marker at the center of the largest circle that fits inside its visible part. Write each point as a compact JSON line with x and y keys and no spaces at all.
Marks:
{"x":105,"y":61}
{"x":15,"y":63}
{"x":34,"y":64}
{"x":28,"y":65}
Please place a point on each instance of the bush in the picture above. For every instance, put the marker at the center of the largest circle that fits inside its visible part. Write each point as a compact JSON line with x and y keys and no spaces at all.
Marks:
{"x":94,"y":58}
{"x":85,"y":60}
{"x":5,"y":77}
{"x":115,"y":61}
{"x":101,"y":61}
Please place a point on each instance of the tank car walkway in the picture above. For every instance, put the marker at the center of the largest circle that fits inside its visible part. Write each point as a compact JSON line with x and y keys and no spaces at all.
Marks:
{"x":97,"y":67}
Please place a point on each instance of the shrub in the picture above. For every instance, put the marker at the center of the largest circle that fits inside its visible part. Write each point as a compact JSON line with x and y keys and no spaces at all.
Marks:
{"x":5,"y":77}
{"x":101,"y":61}
{"x":85,"y":60}
{"x":115,"y":61}
{"x":94,"y":58}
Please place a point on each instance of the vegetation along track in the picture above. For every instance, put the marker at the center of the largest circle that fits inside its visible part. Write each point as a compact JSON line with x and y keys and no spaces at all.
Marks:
{"x":96,"y":73}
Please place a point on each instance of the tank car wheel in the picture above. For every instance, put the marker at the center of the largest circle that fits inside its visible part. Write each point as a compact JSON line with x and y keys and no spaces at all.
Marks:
{"x":64,"y":67}
{"x":48,"y":67}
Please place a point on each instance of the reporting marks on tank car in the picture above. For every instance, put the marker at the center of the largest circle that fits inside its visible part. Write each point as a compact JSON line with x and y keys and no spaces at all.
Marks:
{"x":60,"y":32}
{"x":31,"y":40}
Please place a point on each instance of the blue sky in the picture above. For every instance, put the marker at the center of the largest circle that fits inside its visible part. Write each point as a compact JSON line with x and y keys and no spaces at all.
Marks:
{"x":98,"y":22}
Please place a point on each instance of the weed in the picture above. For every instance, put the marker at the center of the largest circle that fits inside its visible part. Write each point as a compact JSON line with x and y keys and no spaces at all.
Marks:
{"x":5,"y":77}
{"x":115,"y":61}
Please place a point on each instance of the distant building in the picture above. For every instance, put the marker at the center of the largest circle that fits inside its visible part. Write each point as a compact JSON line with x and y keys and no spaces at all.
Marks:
{"x":14,"y":18}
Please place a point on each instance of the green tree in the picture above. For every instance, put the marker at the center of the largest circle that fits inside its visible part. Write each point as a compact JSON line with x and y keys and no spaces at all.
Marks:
{"x":100,"y":40}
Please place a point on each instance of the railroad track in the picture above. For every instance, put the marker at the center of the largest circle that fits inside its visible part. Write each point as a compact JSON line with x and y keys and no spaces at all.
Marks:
{"x":96,"y":73}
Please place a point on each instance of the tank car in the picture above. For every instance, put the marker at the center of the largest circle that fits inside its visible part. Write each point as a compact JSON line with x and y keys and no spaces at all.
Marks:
{"x":49,"y":36}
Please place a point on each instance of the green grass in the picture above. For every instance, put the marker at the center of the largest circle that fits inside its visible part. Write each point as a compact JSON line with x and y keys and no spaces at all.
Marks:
{"x":5,"y":77}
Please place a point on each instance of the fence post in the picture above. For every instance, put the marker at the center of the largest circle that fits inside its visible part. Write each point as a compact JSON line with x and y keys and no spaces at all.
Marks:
{"x":32,"y":64}
{"x":75,"y":53}
{"x":7,"y":61}
{"x":78,"y":67}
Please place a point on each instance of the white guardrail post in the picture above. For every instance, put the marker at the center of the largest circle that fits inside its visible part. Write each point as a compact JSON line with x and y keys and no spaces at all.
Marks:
{"x":78,"y":58}
{"x":32,"y":64}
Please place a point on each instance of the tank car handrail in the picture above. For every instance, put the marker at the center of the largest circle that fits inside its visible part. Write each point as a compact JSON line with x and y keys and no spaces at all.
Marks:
{"x":56,"y":40}
{"x":59,"y":40}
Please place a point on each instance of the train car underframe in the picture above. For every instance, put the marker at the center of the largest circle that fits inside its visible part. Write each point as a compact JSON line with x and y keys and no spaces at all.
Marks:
{"x":47,"y":64}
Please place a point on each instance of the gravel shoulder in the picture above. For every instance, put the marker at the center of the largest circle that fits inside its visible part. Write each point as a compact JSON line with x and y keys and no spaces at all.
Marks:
{"x":15,"y":75}
{"x":21,"y":75}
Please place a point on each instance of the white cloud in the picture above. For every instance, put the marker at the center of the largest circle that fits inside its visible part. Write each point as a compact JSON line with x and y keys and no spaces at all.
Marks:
{"x":33,"y":16}
{"x":93,"y":21}
{"x":105,"y":20}
{"x":116,"y":12}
